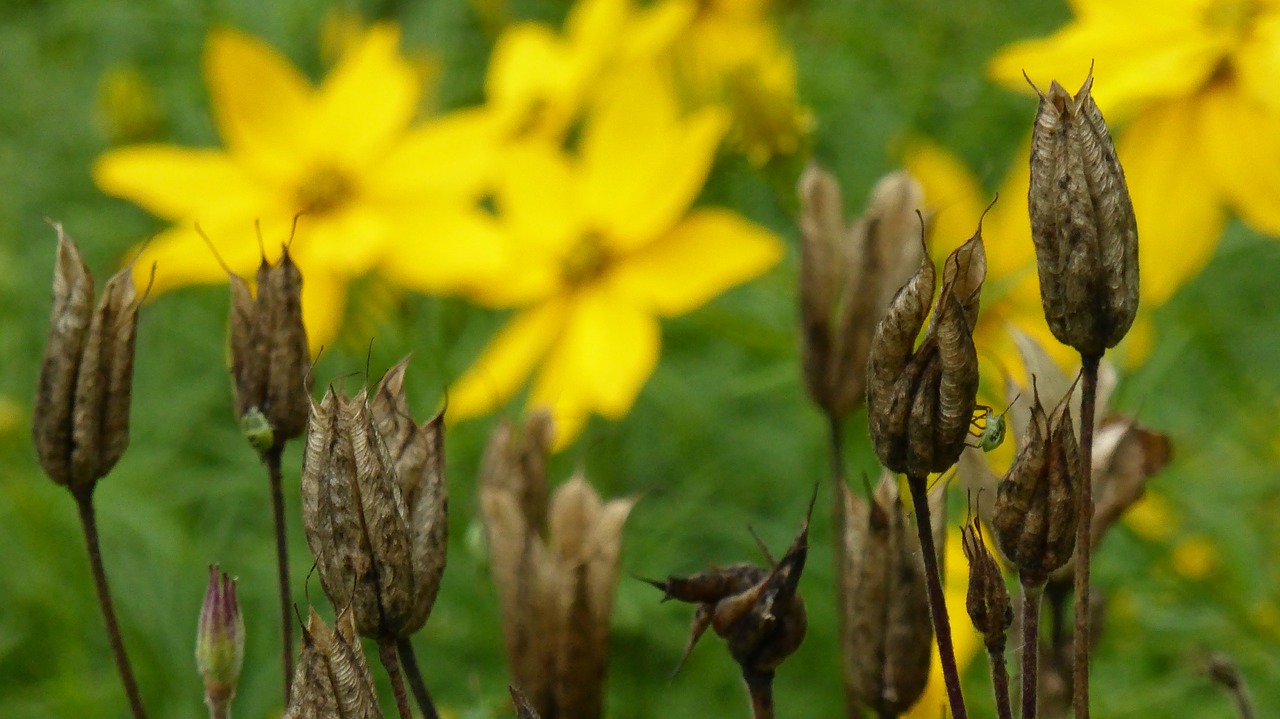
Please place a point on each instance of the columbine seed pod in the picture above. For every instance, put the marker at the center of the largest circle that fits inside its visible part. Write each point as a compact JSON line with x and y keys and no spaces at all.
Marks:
{"x":920,"y":399}
{"x":848,"y":274}
{"x":1035,"y":513}
{"x":373,"y":551}
{"x":1082,"y":223}
{"x":220,"y":642}
{"x":332,"y":678}
{"x":888,"y":634}
{"x":987,"y":600}
{"x":270,"y":368}
{"x":80,"y":423}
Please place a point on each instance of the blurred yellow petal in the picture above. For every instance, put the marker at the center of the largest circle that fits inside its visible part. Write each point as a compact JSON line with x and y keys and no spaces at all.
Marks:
{"x":368,"y":99}
{"x":1241,"y":143}
{"x":1257,"y":61}
{"x":606,"y":352}
{"x":534,"y":82}
{"x":951,"y":192}
{"x":642,"y":164}
{"x":178,"y":183}
{"x":1180,"y":217}
{"x":262,"y":104}
{"x":181,"y":257}
{"x":324,"y":303}
{"x":538,"y":199}
{"x":707,"y":253}
{"x":451,"y":156}
{"x":506,"y":361}
{"x":448,"y":250}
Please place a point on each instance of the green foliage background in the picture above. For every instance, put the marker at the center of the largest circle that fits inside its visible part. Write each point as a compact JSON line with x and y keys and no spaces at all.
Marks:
{"x":721,"y":437}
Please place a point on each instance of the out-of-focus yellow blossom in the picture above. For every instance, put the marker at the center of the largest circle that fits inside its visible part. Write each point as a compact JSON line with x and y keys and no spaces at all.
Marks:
{"x":1152,"y":518}
{"x":127,"y":106}
{"x":11,"y":414}
{"x":1011,"y":295}
{"x":965,"y":640}
{"x":1192,"y":85}
{"x":731,"y":53}
{"x":1195,"y":557}
{"x":603,"y":243}
{"x":370,"y":192}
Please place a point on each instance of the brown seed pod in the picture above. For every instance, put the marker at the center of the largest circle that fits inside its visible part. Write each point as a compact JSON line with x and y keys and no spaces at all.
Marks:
{"x":332,"y":678}
{"x":80,"y":423}
{"x":1082,"y":223}
{"x":848,"y":274}
{"x":920,"y":398}
{"x":987,"y":600}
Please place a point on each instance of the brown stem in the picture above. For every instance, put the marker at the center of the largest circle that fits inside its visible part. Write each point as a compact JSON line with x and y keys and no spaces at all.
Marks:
{"x":760,"y":687}
{"x":416,"y":685}
{"x":1084,"y":536}
{"x":387,"y":653}
{"x":1000,"y":681}
{"x":937,"y":600}
{"x":271,"y":458}
{"x":89,"y":522}
{"x":1032,"y":589}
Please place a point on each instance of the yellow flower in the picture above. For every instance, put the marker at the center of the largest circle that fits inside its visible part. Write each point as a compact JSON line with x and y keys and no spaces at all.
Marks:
{"x":368,"y":191}
{"x":603,"y":243}
{"x":1193,"y":84}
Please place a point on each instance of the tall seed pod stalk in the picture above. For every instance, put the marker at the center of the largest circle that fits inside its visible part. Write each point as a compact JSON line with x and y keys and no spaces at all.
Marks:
{"x":1086,"y":242}
{"x":80,"y":421}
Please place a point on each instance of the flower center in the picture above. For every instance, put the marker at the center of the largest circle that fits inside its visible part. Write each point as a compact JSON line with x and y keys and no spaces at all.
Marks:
{"x":1231,"y":16}
{"x":585,"y":261}
{"x":324,"y":190}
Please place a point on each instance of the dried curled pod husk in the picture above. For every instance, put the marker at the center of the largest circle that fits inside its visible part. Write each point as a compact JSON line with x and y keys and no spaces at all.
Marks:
{"x":987,"y":599}
{"x":920,"y":398}
{"x":80,"y":419}
{"x":332,"y":678}
{"x":1082,"y":223}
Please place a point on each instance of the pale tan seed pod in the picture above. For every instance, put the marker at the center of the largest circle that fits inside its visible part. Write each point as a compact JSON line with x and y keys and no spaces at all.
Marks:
{"x":1035,"y":513}
{"x":80,"y":423}
{"x":555,"y":566}
{"x":270,"y":364}
{"x":848,"y":274}
{"x":888,"y":637}
{"x":1082,"y":223}
{"x":333,"y":677}
{"x":920,"y":398}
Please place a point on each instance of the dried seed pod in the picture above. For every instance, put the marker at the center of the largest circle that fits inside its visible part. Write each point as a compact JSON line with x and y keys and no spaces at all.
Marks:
{"x":555,"y":569}
{"x":332,"y":678}
{"x":524,"y":710}
{"x":1035,"y":511}
{"x":889,"y":637}
{"x":374,"y":552}
{"x":987,"y":600}
{"x":418,"y":454}
{"x":220,"y":642}
{"x":270,"y":367}
{"x":920,"y":399}
{"x":848,"y":274}
{"x":1082,"y":223}
{"x":80,"y":423}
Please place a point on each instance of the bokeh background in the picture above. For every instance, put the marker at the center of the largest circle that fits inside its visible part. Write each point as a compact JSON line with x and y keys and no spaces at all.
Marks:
{"x":720,"y":438}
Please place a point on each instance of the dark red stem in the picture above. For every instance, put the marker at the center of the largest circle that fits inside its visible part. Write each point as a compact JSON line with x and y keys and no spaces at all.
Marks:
{"x":271,"y":458}
{"x":1084,"y":537}
{"x":387,"y":653}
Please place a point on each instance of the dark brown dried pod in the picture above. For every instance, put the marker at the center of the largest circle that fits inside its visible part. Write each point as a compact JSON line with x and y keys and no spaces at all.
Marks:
{"x":80,"y":424}
{"x":332,"y":678}
{"x":555,"y":569}
{"x":987,"y":600}
{"x":270,"y":364}
{"x":920,"y":398}
{"x":418,"y":453}
{"x":889,"y":636}
{"x":1082,"y":223}
{"x":369,"y":555}
{"x":848,"y":274}
{"x":1035,"y":513}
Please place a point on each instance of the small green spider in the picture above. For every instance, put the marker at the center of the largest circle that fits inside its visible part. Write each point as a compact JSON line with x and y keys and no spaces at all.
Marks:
{"x":989,"y":428}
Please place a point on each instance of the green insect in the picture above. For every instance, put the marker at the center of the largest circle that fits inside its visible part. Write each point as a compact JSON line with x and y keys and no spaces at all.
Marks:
{"x":989,"y":428}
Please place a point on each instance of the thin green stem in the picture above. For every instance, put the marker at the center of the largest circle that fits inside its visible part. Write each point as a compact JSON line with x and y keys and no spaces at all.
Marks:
{"x":271,"y":458}
{"x":416,"y":685}
{"x":89,"y":522}
{"x":1032,"y":589}
{"x":937,"y":600}
{"x":387,"y":653}
{"x":1084,"y":537}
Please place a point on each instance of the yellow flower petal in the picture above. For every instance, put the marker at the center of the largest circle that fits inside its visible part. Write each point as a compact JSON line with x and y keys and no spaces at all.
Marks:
{"x":451,"y":156}
{"x":262,"y":104}
{"x":951,"y":191}
{"x":707,"y":253}
{"x":538,"y":201}
{"x":1257,"y":60}
{"x":601,"y":360}
{"x":324,"y":304}
{"x":181,"y":257}
{"x":448,"y":249}
{"x":642,"y":164}
{"x":534,"y":82}
{"x":507,"y":360}
{"x":178,"y":183}
{"x":1241,"y":141}
{"x":368,"y":99}
{"x":1180,"y":219}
